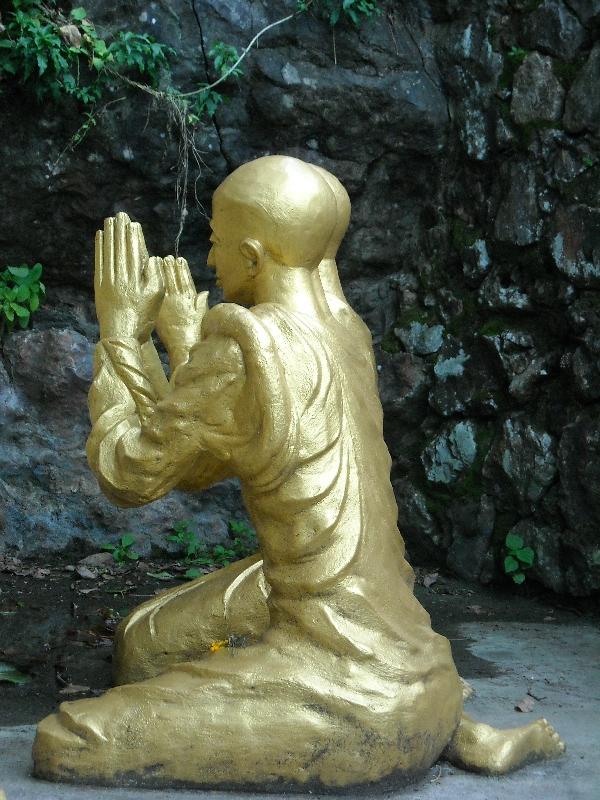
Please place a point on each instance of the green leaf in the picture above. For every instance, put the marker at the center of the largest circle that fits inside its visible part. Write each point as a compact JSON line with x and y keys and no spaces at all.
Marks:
{"x":525,"y":555}
{"x":132,"y":555}
{"x":79,"y":13}
{"x":23,"y":293}
{"x":514,"y":541}
{"x":160,"y":576}
{"x":42,"y":62}
{"x":19,"y":310}
{"x":97,"y":63}
{"x":127,"y":539}
{"x":192,"y":573}
{"x":518,"y":577}
{"x":19,"y":272}
{"x":10,"y":674}
{"x":34,"y":302}
{"x":510,"y":565}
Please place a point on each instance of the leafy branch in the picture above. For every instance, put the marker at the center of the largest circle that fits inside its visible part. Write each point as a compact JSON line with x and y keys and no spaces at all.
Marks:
{"x":21,"y":291}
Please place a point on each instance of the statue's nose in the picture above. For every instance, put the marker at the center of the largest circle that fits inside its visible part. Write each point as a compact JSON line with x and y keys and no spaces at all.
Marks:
{"x":210,"y":258}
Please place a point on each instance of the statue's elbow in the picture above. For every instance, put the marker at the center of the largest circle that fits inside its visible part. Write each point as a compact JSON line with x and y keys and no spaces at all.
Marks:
{"x":126,"y":496}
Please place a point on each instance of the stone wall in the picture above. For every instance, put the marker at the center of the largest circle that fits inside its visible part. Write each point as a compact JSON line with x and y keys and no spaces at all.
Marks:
{"x":467,"y":134}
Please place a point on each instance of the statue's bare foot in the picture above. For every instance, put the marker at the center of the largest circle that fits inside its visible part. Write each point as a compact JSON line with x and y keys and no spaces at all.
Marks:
{"x":481,"y":748}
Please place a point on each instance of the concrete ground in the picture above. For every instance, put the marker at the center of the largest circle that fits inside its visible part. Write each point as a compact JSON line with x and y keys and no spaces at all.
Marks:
{"x":559,"y":664}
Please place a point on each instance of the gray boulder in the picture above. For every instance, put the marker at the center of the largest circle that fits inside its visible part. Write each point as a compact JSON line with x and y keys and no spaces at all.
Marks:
{"x":537,"y":94}
{"x":582,"y":107}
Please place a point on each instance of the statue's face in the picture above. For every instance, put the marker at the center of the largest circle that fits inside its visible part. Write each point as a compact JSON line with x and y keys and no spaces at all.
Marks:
{"x":234,"y":271}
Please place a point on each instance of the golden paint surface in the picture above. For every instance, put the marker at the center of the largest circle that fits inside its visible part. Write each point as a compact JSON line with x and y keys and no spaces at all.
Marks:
{"x":311,"y":663}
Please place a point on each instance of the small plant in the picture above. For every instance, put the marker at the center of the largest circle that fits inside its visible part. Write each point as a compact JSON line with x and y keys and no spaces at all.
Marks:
{"x":21,"y":291}
{"x":518,"y":557}
{"x":334,"y":10}
{"x":58,"y":55}
{"x":200,"y":555}
{"x":244,"y":538}
{"x":517,"y":55}
{"x":123,"y":551}
{"x":588,"y":161}
{"x":187,"y":539}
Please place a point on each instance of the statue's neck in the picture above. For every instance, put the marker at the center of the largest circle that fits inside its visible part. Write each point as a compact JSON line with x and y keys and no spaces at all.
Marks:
{"x":292,"y":288}
{"x":330,"y":279}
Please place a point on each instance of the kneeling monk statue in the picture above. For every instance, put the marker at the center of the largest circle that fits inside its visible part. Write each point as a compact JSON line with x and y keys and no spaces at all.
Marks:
{"x":342,"y":680}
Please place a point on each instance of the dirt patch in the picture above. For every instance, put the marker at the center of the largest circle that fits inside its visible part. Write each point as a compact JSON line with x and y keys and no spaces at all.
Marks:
{"x":57,"y":622}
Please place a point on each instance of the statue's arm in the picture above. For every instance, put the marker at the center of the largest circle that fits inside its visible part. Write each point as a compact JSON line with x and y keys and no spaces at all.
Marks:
{"x":142,"y":446}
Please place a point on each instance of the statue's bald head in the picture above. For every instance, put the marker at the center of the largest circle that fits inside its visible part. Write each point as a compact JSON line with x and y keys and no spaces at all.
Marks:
{"x":284,"y":204}
{"x":344,"y":207}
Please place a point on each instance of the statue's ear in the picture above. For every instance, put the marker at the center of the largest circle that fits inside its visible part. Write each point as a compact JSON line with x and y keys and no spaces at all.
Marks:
{"x":254,"y":252}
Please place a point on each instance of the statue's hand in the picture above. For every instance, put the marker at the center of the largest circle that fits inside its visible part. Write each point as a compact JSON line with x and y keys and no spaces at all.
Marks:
{"x":182,"y":310}
{"x":128,"y":285}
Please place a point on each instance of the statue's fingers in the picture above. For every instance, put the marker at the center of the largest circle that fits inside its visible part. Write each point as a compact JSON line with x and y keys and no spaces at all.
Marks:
{"x":169,"y":275}
{"x":98,"y":260}
{"x":108,"y":248}
{"x":134,"y":257}
{"x":122,"y":265}
{"x":185,"y":282}
{"x":142,"y":244}
{"x":153,"y":276}
{"x":201,"y":301}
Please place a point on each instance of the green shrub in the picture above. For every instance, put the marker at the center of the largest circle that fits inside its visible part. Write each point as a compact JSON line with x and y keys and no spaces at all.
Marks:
{"x":334,"y":10}
{"x":518,"y":557}
{"x":123,"y":551}
{"x":21,"y":292}
{"x":60,"y":56}
{"x":199,"y":554}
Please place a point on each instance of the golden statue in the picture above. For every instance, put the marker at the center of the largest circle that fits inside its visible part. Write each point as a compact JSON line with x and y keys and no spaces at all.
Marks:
{"x":341,"y":680}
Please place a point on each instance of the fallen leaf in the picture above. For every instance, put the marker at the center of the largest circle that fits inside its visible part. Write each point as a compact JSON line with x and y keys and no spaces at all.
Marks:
{"x":430,"y":579}
{"x":86,"y":572}
{"x":71,"y":35}
{"x":97,"y":560}
{"x":41,"y":572}
{"x":10,"y":674}
{"x":160,"y":576}
{"x":525,"y":705}
{"x":476,"y":609}
{"x":73,"y":688}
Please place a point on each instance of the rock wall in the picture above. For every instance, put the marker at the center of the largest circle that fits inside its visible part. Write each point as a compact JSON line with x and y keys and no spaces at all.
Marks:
{"x":467,"y":134}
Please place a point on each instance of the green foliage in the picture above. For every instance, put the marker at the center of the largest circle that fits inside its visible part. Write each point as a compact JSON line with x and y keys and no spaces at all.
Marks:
{"x":512,"y":61}
{"x":187,"y":539}
{"x":204,"y":103}
{"x":244,"y":539}
{"x":59,"y":56}
{"x":517,"y":55}
{"x":224,"y":60}
{"x":518,"y":557}
{"x":123,"y":551}
{"x":334,"y":10}
{"x":21,"y":291}
{"x":463,"y":235}
{"x":199,"y":554}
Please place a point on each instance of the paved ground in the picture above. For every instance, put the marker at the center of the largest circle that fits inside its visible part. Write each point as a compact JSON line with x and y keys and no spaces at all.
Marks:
{"x":558,"y":663}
